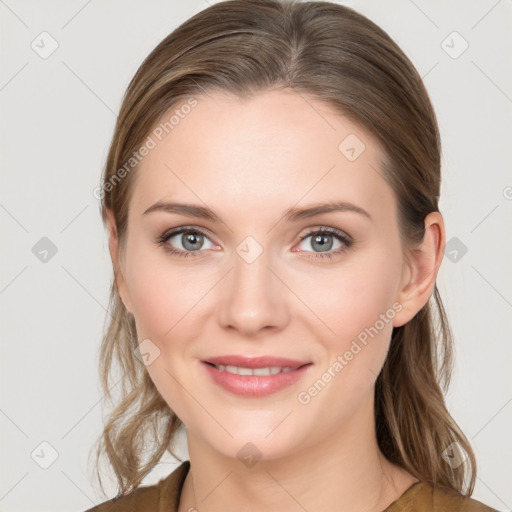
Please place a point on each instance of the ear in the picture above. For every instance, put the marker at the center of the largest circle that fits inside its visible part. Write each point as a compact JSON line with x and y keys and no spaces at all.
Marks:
{"x":113,"y":246}
{"x":420,"y":270}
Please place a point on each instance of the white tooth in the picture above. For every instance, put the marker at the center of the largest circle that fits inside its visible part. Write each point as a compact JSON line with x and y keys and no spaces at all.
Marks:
{"x":238,"y":370}
{"x":262,"y":371}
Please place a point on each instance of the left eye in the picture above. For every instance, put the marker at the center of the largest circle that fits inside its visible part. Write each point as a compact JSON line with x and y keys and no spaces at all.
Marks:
{"x":323,"y":240}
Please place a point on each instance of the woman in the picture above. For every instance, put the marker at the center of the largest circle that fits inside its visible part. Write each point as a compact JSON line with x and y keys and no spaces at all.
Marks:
{"x":271,"y":195}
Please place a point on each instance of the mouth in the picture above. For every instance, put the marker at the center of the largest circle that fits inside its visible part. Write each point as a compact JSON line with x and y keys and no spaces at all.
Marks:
{"x":254,"y":376}
{"x":240,"y":370}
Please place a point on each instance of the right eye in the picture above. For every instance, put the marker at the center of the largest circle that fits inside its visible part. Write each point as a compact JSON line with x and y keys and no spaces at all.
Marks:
{"x":190,"y":239}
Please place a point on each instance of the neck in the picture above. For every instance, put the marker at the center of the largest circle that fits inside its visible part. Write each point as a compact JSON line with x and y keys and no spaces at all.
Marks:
{"x":346,"y":471}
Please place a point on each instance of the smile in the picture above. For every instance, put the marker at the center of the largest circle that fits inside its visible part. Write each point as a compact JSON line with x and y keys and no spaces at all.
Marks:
{"x":256,"y":376}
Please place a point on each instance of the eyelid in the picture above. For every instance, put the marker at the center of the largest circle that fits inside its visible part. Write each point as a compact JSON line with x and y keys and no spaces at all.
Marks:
{"x":315,"y":229}
{"x":180,"y":229}
{"x":342,"y":236}
{"x":329,"y":230}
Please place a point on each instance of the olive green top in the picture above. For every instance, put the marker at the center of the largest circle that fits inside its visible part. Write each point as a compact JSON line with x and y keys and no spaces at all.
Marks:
{"x":165,"y":495}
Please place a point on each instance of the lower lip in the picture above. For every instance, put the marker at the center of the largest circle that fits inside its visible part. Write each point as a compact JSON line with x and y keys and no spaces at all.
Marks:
{"x":255,"y":385}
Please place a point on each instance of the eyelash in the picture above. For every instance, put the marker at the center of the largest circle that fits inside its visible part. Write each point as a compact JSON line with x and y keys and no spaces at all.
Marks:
{"x":342,"y":237}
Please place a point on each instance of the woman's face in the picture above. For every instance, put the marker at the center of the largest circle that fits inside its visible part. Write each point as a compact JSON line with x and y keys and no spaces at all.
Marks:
{"x":251,"y":280}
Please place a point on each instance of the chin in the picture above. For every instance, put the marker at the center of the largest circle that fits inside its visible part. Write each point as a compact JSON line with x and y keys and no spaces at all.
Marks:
{"x":271,"y":437}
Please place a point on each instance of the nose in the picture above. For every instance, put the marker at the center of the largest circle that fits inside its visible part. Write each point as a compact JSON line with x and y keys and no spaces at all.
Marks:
{"x":253,"y":298}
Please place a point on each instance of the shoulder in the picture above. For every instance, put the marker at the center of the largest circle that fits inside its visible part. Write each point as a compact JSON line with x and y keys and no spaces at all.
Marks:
{"x":452,"y":501}
{"x":424,"y":497}
{"x":142,"y":498}
{"x":163,"y":495}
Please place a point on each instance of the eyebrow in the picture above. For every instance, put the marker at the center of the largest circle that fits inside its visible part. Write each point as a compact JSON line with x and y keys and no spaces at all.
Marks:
{"x":290,"y":215}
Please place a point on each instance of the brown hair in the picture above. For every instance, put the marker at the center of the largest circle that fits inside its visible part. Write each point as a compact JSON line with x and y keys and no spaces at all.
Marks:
{"x":333,"y":53}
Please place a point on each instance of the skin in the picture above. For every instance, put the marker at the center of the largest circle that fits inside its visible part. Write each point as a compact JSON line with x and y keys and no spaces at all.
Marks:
{"x":249,"y":161}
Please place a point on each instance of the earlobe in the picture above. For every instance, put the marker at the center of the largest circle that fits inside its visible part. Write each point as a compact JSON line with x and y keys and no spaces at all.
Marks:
{"x":113,"y":245}
{"x":420,"y":270}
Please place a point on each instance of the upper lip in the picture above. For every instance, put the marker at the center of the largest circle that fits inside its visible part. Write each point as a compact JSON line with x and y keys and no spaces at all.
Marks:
{"x":255,"y":362}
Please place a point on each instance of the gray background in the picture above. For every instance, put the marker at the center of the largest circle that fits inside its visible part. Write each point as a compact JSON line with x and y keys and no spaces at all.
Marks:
{"x":57,"y":118}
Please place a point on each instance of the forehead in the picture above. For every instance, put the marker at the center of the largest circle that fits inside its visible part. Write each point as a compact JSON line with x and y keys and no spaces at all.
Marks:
{"x":276,"y":149}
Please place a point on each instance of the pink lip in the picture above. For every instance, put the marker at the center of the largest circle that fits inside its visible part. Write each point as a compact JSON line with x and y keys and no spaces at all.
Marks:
{"x":255,"y":385}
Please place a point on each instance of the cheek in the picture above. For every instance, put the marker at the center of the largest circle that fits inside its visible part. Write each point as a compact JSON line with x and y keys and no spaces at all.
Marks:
{"x":168,"y":298}
{"x":359,"y":309}
{"x":164,"y":294}
{"x":353,"y":298}
{"x":166,"y":302}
